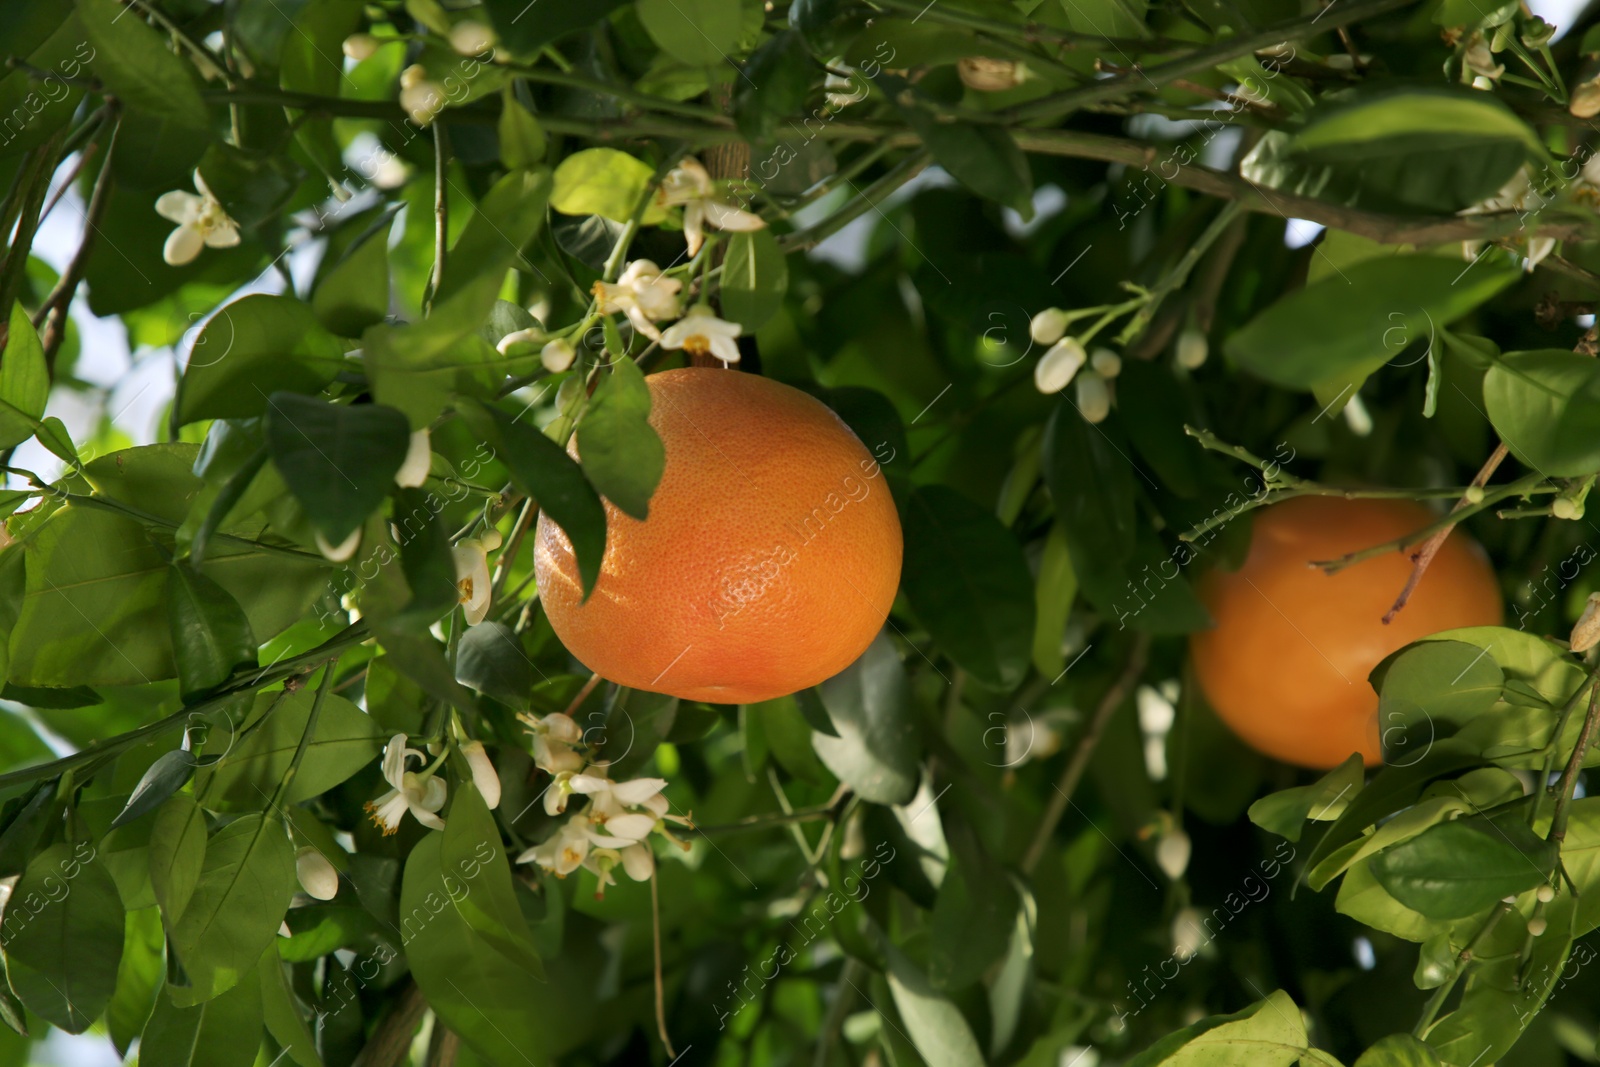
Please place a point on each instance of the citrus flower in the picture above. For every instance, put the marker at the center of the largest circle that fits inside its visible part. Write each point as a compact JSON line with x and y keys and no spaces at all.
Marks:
{"x":1106,"y":363}
{"x":700,"y":332}
{"x":420,"y":98}
{"x":202,"y":223}
{"x":1059,"y":365}
{"x":421,"y":796}
{"x":419,"y":456}
{"x":471,"y":38}
{"x":985,"y":75}
{"x":553,"y":738}
{"x":472,"y":574}
{"x":1048,"y":326}
{"x":689,"y":184}
{"x":557,"y":355}
{"x":643,"y":294}
{"x":1586,"y":631}
{"x":562,"y":852}
{"x":483,"y":772}
{"x":359,"y":46}
{"x":1172,"y":853}
{"x":1094,"y":399}
{"x":1517,"y":195}
{"x":1192,"y":349}
{"x":316,"y":874}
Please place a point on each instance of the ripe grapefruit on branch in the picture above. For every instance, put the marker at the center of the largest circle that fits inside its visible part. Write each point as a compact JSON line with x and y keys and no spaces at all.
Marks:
{"x":1286,"y":663}
{"x":768,"y":562}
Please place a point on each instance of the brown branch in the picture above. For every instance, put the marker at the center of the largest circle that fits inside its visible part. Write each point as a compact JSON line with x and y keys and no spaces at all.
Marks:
{"x":1569,"y":777}
{"x":1423,"y":556}
{"x":444,"y":1046}
{"x":40,"y":164}
{"x":661,"y":984}
{"x":391,"y":1038}
{"x":1079,"y":760}
{"x":53,"y":311}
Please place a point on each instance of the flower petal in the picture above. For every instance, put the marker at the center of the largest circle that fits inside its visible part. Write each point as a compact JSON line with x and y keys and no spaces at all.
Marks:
{"x":632,"y":827}
{"x":728,"y":217}
{"x":394,"y":761}
{"x":638,"y":790}
{"x":223,"y":235}
{"x":419,"y":456}
{"x":183,"y":244}
{"x":178,"y":206}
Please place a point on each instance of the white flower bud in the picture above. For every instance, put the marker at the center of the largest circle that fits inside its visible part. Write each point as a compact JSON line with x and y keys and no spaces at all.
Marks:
{"x":422,"y":101}
{"x":1188,"y":935}
{"x":471,"y":38}
{"x":413,"y":76}
{"x":1094,"y":399}
{"x":1172,"y":853}
{"x":359,"y":46}
{"x":1565,"y":507}
{"x":1546,"y":894}
{"x":1047,"y":327}
{"x":1106,"y":363}
{"x":990,"y":75}
{"x":531,"y":336}
{"x":1056,"y":368}
{"x":317,"y":876}
{"x":562,"y":727}
{"x":1538,"y":926}
{"x":557,"y":355}
{"x":1586,"y":631}
{"x":1192,"y":349}
{"x":419,"y":456}
{"x":483,"y":772}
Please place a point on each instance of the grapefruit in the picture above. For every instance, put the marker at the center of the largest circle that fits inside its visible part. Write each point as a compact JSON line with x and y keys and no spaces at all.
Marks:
{"x":1286,"y":664}
{"x":769,"y":560}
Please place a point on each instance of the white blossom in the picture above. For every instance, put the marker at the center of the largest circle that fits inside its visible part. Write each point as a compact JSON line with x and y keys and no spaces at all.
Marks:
{"x":1059,"y":365}
{"x":986,"y":75}
{"x":1048,"y":326}
{"x":419,"y":456}
{"x":421,"y":796}
{"x":472,"y":574}
{"x":343,"y":550}
{"x":317,"y":876}
{"x":690,"y":185}
{"x":1094,"y":399}
{"x":700,"y":332}
{"x":484,"y":775}
{"x":471,"y":38}
{"x":1192,"y":349}
{"x":643,"y":294}
{"x":202,"y":223}
{"x":557,"y":355}
{"x":359,"y":46}
{"x":1106,"y":363}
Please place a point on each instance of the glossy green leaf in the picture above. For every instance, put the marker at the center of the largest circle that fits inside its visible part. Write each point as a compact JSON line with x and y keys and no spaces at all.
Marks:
{"x":701,"y":33}
{"x":522,"y":139}
{"x":1399,"y":1050}
{"x":490,"y":658}
{"x":1269,"y":1033}
{"x":1546,"y":407}
{"x":177,"y":855}
{"x":477,"y":878}
{"x":210,"y":634}
{"x":1433,"y":687}
{"x":983,"y":158}
{"x":1461,"y":868}
{"x":223,"y":1032}
{"x":346,"y":740}
{"x":603,"y":181}
{"x":338,"y":460}
{"x":968,"y":582}
{"x":1285,"y":812}
{"x":133,"y":61}
{"x":876,"y":752}
{"x":252,"y":348}
{"x":755,"y":277}
{"x":621,"y":453}
{"x":526,"y":29}
{"x":139,"y":978}
{"x":282,"y":1013}
{"x":24,"y":380}
{"x":354,"y":293}
{"x":166,"y":776}
{"x":973,"y":917}
{"x":63,"y":934}
{"x":936,"y":1027}
{"x":508,"y":216}
{"x":238,"y":903}
{"x":1056,"y":588}
{"x":778,"y":77}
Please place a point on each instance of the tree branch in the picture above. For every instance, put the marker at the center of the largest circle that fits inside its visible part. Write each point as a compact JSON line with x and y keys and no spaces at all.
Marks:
{"x":391,"y":1038}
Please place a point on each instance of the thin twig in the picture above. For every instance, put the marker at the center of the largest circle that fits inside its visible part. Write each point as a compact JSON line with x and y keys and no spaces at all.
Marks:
{"x":1079,"y":760}
{"x":583,"y":694}
{"x":57,"y":305}
{"x":390,"y":1041}
{"x":1569,"y":777}
{"x":661,"y":984}
{"x":1423,"y":556}
{"x":441,"y":211}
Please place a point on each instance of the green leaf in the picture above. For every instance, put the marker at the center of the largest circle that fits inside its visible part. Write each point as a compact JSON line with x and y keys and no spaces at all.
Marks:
{"x":63,"y":936}
{"x":1432,"y":684}
{"x":1399,"y":1050}
{"x":224,"y":1032}
{"x":935,"y":1025}
{"x":338,"y":460}
{"x":477,"y":877}
{"x":1285,"y":812}
{"x":1093,"y":484}
{"x":522,"y":140}
{"x":878,"y":747}
{"x":210,"y":634}
{"x":1269,"y":1033}
{"x":426,"y":558}
{"x":490,"y":659}
{"x":354,"y":293}
{"x":177,"y":854}
{"x":755,"y":277}
{"x":134,"y":62}
{"x":526,"y":29}
{"x":284,"y":1018}
{"x":473,"y":987}
{"x":139,"y":976}
{"x":543,"y":470}
{"x":1546,"y":407}
{"x":238,"y":903}
{"x":347,"y":739}
{"x":777,"y":79}
{"x":251,"y":348}
{"x":968,"y":582}
{"x":1375,"y":309}
{"x":982,"y":157}
{"x":1460,"y":868}
{"x":603,"y":181}
{"x":1057,"y":587}
{"x":24,"y":380}
{"x":166,"y":776}
{"x":620,"y":451}
{"x":973,"y":917}
{"x":701,"y":33}
{"x":506,"y":219}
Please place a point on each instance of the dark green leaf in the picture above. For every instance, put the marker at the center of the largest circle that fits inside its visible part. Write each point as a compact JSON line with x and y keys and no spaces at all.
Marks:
{"x":490,"y":659}
{"x":507,"y":218}
{"x":134,"y":62}
{"x":24,"y":380}
{"x":1460,"y":868}
{"x":966,"y":579}
{"x":1546,"y":407}
{"x":777,"y":79}
{"x":346,"y":740}
{"x":354,"y":294}
{"x":527,"y":28}
{"x":338,"y":460}
{"x":177,"y":855}
{"x":878,"y":748}
{"x":210,"y":634}
{"x":224,"y":1032}
{"x":934,"y":1024}
{"x":426,"y":559}
{"x":974,"y":914}
{"x":522,"y":140}
{"x":477,"y":878}
{"x":755,"y":277}
{"x":166,"y":776}
{"x":284,"y":1018}
{"x":251,"y":348}
{"x":63,"y":936}
{"x":620,"y":451}
{"x":139,"y":977}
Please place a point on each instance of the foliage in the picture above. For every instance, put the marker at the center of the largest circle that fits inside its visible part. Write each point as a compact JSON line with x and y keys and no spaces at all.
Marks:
{"x":281,"y":709}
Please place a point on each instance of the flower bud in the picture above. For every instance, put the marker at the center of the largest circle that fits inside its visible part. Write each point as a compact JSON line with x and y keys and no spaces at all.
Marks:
{"x":1106,"y":363}
{"x":1056,"y":368}
{"x":413,"y":76}
{"x":419,"y":457}
{"x":557,"y":355}
{"x":1473,"y":495}
{"x":1585,"y":100}
{"x":1538,"y":926}
{"x":1586,"y":631}
{"x":1192,"y":349}
{"x":317,"y":876}
{"x":1188,"y":934}
{"x":987,"y":75}
{"x":1172,"y":853}
{"x":483,"y":772}
{"x":1546,"y":894}
{"x":1094,"y":399}
{"x":1566,"y":508}
{"x":359,"y":46}
{"x":1048,"y":326}
{"x":422,"y":101}
{"x":531,"y":336}
{"x":471,"y":38}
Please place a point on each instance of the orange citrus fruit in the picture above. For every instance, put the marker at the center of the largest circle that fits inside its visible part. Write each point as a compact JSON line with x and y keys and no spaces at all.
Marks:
{"x":1286,"y":663}
{"x":768,"y":562}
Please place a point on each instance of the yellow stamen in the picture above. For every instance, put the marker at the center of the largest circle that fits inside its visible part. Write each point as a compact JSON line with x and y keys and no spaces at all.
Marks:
{"x":697,"y":345}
